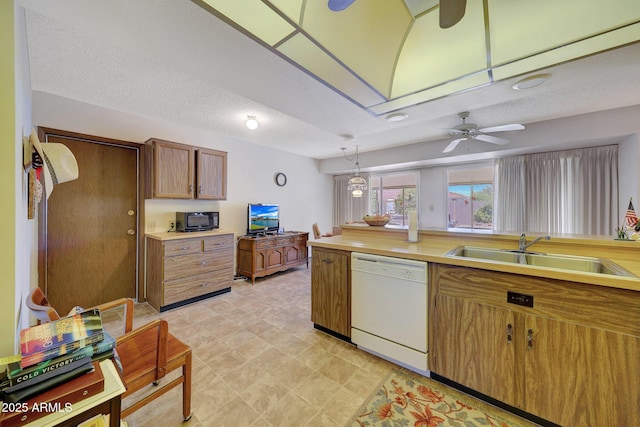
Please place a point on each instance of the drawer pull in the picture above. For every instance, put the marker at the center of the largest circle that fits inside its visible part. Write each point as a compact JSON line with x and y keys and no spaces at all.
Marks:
{"x":328,"y":261}
{"x":184,"y":248}
{"x":85,"y":392}
{"x":203,"y":263}
{"x":204,"y":284}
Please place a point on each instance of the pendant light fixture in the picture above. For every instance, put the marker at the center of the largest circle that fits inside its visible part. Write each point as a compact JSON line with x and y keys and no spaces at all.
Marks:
{"x":356,"y":184}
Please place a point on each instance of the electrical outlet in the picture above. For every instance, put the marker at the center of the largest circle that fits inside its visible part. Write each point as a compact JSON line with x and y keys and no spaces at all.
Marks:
{"x":172,"y":225}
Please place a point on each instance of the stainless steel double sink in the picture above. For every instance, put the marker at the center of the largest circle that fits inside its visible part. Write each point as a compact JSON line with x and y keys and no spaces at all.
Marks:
{"x":563,"y":262}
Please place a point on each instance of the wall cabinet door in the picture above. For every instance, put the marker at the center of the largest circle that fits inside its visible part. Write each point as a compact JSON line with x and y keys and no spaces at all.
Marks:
{"x":211,"y":174}
{"x":330,"y":290}
{"x":173,"y":170}
{"x":481,"y":338}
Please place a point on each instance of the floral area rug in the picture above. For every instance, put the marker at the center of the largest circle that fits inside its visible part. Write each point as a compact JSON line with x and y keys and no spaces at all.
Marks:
{"x":406,"y":399}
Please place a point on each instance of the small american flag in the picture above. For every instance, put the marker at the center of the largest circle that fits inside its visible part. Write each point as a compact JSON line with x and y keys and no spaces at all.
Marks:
{"x":630,"y":217}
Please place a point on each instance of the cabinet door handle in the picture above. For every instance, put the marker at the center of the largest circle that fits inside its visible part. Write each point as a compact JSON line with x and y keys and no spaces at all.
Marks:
{"x":199,"y":189}
{"x":190,"y":188}
{"x":530,"y":339}
{"x":328,"y":261}
{"x":509,"y":333}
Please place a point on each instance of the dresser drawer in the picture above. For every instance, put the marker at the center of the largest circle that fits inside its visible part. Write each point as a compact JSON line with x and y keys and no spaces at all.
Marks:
{"x":194,"y":286}
{"x":267,"y":243}
{"x":182,"y":247}
{"x":187,"y":265}
{"x":218,"y":243}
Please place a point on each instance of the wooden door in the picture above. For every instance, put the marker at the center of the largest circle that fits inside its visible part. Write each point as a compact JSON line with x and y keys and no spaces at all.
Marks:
{"x":91,"y":224}
{"x":212,"y":174}
{"x":581,"y":376}
{"x":473,"y":344}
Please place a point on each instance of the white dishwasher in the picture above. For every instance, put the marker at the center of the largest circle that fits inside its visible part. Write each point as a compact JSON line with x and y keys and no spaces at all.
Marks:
{"x":389,"y":308}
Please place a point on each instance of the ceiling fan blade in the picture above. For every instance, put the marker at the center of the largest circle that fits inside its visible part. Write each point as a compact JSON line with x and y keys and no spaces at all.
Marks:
{"x":451,"y":12}
{"x":502,"y":128}
{"x":492,"y":139}
{"x":453,"y":144}
{"x":338,"y":5}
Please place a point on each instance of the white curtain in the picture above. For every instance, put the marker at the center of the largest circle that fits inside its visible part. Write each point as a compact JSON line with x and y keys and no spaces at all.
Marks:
{"x":572,"y":191}
{"x":347,"y":208}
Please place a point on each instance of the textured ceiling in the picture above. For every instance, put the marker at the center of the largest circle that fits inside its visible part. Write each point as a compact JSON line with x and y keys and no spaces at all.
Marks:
{"x":172,"y":60}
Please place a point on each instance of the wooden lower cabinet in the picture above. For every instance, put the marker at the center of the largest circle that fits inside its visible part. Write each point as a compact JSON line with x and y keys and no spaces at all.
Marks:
{"x":571,"y":358}
{"x":181,"y":270}
{"x":264,"y":255}
{"x":331,"y":290}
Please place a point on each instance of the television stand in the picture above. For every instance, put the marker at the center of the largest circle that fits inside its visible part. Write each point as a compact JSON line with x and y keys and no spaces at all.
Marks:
{"x":259,"y":256}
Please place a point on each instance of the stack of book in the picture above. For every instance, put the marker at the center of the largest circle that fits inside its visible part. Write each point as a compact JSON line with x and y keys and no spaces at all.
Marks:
{"x":54,"y":353}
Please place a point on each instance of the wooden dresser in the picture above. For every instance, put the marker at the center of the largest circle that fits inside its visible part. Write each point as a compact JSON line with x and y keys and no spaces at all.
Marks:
{"x":187,"y":267}
{"x":264,"y":255}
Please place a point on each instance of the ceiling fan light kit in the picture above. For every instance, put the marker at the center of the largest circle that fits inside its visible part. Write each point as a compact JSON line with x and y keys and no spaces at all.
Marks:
{"x":466,"y":131}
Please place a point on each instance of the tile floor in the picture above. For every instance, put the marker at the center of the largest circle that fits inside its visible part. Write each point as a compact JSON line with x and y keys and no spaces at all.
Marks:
{"x":259,"y":362}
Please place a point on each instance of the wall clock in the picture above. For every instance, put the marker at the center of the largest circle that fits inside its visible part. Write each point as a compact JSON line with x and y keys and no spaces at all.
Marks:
{"x":281,"y":179}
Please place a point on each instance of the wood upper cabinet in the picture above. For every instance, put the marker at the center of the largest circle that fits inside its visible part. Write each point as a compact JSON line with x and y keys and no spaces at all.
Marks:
{"x":211,"y":174}
{"x":180,"y":171}
{"x":331,"y":290}
{"x":570,"y":358}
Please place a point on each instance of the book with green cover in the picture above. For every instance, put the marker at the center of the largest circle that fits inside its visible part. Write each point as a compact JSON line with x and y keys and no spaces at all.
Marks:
{"x":49,"y":340}
{"x":16,"y":374}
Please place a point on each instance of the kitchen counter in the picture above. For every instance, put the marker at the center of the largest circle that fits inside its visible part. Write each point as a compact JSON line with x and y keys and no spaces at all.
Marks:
{"x":433,"y":244}
{"x":173,"y":235}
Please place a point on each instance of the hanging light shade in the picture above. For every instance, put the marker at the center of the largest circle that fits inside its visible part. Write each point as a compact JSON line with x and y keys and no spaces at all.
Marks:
{"x":356,"y":184}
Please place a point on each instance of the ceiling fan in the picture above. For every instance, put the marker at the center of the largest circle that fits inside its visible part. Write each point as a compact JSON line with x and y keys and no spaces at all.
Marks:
{"x":467,"y":131}
{"x":451,"y":11}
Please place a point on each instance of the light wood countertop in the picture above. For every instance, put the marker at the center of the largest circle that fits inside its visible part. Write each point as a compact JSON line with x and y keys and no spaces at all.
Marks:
{"x":171,"y":235}
{"x":433,"y":244}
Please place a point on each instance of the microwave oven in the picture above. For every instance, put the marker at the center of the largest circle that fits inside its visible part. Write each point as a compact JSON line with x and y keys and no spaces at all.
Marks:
{"x":197,"y":221}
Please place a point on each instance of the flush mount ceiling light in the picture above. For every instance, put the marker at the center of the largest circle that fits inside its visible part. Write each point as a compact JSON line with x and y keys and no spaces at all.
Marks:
{"x":251,"y":123}
{"x":396,"y":117}
{"x":531,"y":81}
{"x":356,"y":184}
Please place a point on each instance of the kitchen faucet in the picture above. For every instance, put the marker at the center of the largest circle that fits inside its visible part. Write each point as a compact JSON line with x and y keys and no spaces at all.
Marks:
{"x":522,"y":243}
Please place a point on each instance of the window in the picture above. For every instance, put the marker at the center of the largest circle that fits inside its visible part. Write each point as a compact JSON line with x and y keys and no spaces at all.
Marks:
{"x":470,"y":197}
{"x":395,"y":194}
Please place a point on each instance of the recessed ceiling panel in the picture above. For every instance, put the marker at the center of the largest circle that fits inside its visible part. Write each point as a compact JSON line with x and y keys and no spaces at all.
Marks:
{"x":255,"y":17}
{"x":432,"y":55}
{"x":562,"y":54}
{"x":292,"y":9}
{"x":309,"y":56}
{"x":449,"y":88}
{"x":521,"y":28}
{"x":366,"y":36}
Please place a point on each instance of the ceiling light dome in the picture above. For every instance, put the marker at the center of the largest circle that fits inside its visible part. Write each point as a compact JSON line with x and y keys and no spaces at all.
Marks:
{"x":251,"y":123}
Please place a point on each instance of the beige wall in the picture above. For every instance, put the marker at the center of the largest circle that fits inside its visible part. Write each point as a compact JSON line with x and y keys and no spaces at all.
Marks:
{"x":18,"y":246}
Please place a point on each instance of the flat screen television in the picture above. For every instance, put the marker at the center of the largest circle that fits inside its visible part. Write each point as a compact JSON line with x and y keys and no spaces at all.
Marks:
{"x":262,"y":217}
